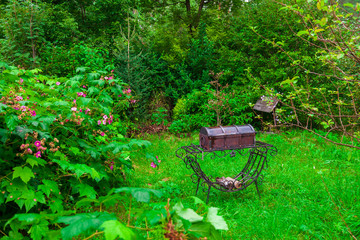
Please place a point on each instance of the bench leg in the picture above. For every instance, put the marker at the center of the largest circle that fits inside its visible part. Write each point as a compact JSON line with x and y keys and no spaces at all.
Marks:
{"x":197,"y":188}
{"x":257,"y":189}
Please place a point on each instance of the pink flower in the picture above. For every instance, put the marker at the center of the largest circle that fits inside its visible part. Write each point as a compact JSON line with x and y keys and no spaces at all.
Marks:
{"x":21,"y":81}
{"x":58,"y":83}
{"x":81,"y":94}
{"x":74,"y":101}
{"x":28,"y":98}
{"x":99,"y":122}
{"x":23,"y":108}
{"x":37,"y":143}
{"x":16,"y":108}
{"x":153,"y":165}
{"x":29,"y":151}
{"x":73,"y":109}
{"x":104,"y":122}
{"x":110,"y":78}
{"x":38,"y":154}
{"x":112,"y":71}
{"x":87,"y":110}
{"x":33,"y":113}
{"x":119,"y":95}
{"x":127,"y":91}
{"x":66,"y":120}
{"x":80,"y":110}
{"x":19,"y":98}
{"x":105,"y":117}
{"x":84,"y":86}
{"x":102,"y":134}
{"x":34,"y":199}
{"x":106,"y":78}
{"x":111,"y":167}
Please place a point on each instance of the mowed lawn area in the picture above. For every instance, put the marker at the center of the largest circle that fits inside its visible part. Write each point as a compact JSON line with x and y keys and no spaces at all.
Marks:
{"x":310,"y":189}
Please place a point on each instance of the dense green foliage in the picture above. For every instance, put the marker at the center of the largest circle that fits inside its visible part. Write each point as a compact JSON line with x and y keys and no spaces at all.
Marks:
{"x":80,"y":78}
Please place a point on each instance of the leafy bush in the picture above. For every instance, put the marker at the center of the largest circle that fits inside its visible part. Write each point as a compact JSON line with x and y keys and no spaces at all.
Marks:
{"x":60,"y":139}
{"x":63,"y":158}
{"x":159,"y":117}
{"x":65,"y":60}
{"x":22,"y":27}
{"x":196,"y":109}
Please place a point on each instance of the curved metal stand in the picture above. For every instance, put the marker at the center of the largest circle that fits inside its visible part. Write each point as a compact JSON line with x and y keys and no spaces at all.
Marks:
{"x":257,"y":161}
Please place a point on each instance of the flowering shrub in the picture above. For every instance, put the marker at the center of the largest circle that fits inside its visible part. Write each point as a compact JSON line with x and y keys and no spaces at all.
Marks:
{"x":62,"y":154}
{"x":60,"y":142}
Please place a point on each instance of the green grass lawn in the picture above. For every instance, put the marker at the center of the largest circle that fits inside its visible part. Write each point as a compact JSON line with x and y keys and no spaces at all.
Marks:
{"x":295,"y":202}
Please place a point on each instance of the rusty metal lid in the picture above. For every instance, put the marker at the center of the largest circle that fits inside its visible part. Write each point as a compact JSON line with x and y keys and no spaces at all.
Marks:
{"x":227,"y":130}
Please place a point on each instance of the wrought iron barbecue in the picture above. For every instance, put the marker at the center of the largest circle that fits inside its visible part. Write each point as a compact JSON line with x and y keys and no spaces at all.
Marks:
{"x":193,"y":155}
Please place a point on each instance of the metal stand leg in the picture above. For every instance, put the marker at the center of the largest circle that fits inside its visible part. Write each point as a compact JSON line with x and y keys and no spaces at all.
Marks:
{"x":197,"y":188}
{"x":256,"y":185}
{"x":207,"y":199}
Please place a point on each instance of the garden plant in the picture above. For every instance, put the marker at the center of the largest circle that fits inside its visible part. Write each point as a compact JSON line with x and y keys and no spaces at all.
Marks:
{"x":96,"y":96}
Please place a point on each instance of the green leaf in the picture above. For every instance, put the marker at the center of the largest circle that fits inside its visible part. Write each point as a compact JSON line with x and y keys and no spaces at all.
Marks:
{"x":3,"y":135}
{"x":139,"y":143}
{"x":32,"y":160}
{"x":3,"y":106}
{"x":37,"y":231}
{"x":56,"y":205}
{"x":110,"y":199}
{"x":81,"y":69}
{"x":83,"y":223}
{"x":2,"y":198}
{"x":320,"y":4}
{"x":29,"y":197}
{"x":300,"y":33}
{"x":187,"y":213}
{"x":25,"y":217}
{"x":92,"y":76}
{"x":323,"y":21}
{"x":217,"y":221}
{"x":49,"y":187}
{"x":53,"y":235}
{"x":61,"y":103}
{"x":153,"y":216}
{"x":24,"y":173}
{"x":85,"y":202}
{"x":85,"y":101}
{"x":348,"y":5}
{"x":86,"y":190}
{"x":140,"y":194}
{"x":198,"y":200}
{"x":11,"y":121}
{"x":114,"y":229}
{"x":22,"y":131}
{"x":75,"y":150}
{"x":46,"y":121}
{"x":200,"y":229}
{"x":93,"y":91}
